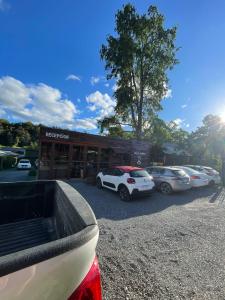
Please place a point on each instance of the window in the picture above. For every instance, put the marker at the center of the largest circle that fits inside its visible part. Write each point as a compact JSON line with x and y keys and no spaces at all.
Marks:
{"x":61,"y":155}
{"x":46,"y":151}
{"x":116,"y":172}
{"x":92,"y":154}
{"x":178,"y":172}
{"x":78,"y":153}
{"x":154,"y":170}
{"x":139,"y":173}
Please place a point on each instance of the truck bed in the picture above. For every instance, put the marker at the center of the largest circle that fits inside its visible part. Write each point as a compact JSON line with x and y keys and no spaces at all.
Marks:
{"x":40,"y":220}
{"x":24,"y":234}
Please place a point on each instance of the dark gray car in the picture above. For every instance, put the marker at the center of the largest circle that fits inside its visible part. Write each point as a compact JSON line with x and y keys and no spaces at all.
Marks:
{"x":169,"y":179}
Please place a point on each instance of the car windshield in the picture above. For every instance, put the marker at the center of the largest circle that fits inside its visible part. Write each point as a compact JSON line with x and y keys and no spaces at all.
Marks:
{"x":139,"y":173}
{"x":178,"y":172}
{"x":25,"y":161}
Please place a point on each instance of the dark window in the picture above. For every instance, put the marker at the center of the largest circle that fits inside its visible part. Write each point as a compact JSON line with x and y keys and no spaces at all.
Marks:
{"x":107,"y":172}
{"x":178,"y":172}
{"x":78,"y":153}
{"x":46,"y":151}
{"x":92,"y":154}
{"x":162,"y":171}
{"x":117,"y":172}
{"x":139,"y":173}
{"x":155,"y":170}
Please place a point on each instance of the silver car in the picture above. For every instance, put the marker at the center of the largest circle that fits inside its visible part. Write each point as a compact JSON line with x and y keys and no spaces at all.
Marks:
{"x":169,"y":179}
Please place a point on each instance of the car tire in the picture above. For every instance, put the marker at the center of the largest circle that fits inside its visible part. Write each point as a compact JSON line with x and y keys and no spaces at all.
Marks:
{"x":99,"y":183}
{"x":212,"y":183}
{"x":124,"y":193}
{"x":165,"y":188}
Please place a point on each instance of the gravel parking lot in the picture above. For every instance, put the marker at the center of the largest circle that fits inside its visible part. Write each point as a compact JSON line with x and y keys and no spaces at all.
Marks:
{"x":160,"y":247}
{"x":12,"y":175}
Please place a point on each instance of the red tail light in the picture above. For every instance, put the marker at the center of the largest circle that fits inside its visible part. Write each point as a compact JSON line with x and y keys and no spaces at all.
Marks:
{"x":131,"y":180}
{"x":90,"y":287}
{"x":195,"y":177}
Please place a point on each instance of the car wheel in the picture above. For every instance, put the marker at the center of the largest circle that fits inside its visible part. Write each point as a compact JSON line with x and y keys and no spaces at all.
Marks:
{"x":165,"y":188}
{"x":124,"y":194}
{"x":212,"y":183}
{"x":99,"y":183}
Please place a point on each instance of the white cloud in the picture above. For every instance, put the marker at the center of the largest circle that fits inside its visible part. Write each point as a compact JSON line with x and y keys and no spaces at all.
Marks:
{"x":114,"y":87}
{"x":73,"y":77}
{"x":38,"y":103}
{"x":107,"y":85}
{"x":178,"y":122}
{"x":4,"y":5}
{"x":95,"y":79}
{"x":184,"y":106}
{"x":103,"y":104}
{"x":78,"y":100}
{"x":168,"y":93}
{"x":2,"y":112}
{"x":86,"y":123}
{"x":181,"y":123}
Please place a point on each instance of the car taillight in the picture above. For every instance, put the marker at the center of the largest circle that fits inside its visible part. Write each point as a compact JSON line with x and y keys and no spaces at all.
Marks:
{"x":195,"y":177}
{"x":90,"y":287}
{"x":131,"y":180}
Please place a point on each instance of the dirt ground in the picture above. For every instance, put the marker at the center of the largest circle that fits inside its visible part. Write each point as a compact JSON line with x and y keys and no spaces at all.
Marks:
{"x":160,"y":247}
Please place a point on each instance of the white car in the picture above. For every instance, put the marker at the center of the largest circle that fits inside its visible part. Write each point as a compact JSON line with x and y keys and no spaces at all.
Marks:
{"x":24,"y":164}
{"x":213,"y":175}
{"x":127,"y":181}
{"x":198,"y":179}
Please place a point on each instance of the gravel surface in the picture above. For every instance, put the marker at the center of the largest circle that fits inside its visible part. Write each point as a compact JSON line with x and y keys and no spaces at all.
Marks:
{"x":160,"y":247}
{"x":12,"y":175}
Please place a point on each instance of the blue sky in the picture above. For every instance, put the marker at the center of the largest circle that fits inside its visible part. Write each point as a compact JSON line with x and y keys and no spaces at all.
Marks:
{"x":51,"y":72}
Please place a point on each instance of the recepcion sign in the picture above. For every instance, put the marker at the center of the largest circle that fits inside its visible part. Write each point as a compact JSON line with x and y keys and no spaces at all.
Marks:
{"x":57,"y":135}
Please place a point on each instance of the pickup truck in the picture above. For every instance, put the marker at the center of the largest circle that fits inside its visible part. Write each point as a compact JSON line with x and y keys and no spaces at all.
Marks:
{"x":48,"y":237}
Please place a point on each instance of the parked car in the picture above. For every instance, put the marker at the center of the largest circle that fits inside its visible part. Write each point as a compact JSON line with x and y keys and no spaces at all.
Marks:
{"x":198,"y":179}
{"x":48,"y":237}
{"x":128,"y":181}
{"x":169,"y":179}
{"x":214,"y":176}
{"x":24,"y":164}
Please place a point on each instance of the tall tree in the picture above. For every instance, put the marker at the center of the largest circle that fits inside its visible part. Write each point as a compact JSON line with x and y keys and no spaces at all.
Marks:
{"x":138,"y":58}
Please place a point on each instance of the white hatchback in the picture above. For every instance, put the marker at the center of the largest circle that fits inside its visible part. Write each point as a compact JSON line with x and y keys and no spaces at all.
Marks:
{"x":24,"y":164}
{"x":126,"y":180}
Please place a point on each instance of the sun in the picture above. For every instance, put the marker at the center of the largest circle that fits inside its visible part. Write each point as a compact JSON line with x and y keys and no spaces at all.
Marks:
{"x":222,"y":116}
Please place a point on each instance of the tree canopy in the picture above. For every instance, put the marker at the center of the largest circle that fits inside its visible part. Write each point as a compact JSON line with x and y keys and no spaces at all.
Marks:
{"x":18,"y":134}
{"x":138,"y":58}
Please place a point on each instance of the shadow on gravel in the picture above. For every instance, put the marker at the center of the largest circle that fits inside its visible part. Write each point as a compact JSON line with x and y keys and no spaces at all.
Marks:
{"x":107,"y":204}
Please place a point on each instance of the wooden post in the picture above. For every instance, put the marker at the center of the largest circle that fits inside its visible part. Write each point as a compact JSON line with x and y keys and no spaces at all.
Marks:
{"x":85,"y":160}
{"x":99,"y":159}
{"x":70,"y":157}
{"x":52,"y":161}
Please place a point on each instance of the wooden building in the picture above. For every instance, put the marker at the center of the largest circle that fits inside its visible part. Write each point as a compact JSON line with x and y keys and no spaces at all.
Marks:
{"x":67,"y":154}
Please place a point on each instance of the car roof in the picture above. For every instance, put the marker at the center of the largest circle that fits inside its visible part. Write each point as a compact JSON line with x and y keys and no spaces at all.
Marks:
{"x":127,"y":168}
{"x":164,"y":167}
